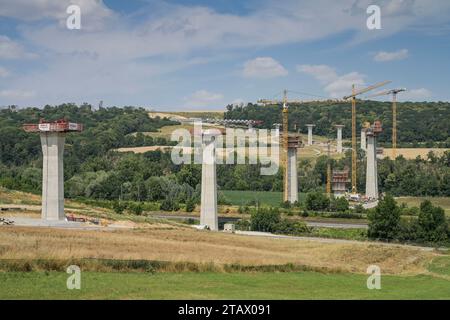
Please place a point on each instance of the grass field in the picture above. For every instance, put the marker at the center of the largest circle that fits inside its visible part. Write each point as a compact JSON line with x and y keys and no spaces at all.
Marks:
{"x":412,"y":153}
{"x":162,"y":242}
{"x":443,"y":202}
{"x":241,"y":198}
{"x":295,"y":285}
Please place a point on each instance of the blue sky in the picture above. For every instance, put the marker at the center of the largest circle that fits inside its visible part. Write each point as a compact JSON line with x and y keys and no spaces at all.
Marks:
{"x":199,"y":54}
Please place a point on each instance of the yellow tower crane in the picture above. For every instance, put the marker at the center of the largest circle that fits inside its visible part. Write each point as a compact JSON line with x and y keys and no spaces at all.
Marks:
{"x":394,"y":93}
{"x":285,"y":122}
{"x":354,"y":94}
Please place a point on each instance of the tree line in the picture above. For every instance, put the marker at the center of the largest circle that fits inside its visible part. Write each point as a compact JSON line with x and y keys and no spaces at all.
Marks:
{"x":419,"y":124}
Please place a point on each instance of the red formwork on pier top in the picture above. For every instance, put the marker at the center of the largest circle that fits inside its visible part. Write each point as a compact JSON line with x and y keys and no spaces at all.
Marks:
{"x":61,"y":125}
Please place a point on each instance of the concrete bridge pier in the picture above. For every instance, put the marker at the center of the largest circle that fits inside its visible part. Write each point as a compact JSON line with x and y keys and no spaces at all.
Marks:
{"x":208,"y":211}
{"x":52,"y":175}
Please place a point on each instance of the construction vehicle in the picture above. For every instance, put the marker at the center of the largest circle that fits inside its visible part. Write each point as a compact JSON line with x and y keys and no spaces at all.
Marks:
{"x":353,"y":96}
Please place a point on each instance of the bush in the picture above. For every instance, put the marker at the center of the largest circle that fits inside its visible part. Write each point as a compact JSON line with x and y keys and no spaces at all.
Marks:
{"x":384,"y":221}
{"x":243,"y":225}
{"x":317,"y":201}
{"x":339,"y":204}
{"x":286,"y":204}
{"x":190,"y":205}
{"x":413,"y":211}
{"x":170,"y":205}
{"x":432,"y":225}
{"x":135,"y":208}
{"x":265,"y":219}
{"x":119,"y":207}
{"x":359,"y":208}
{"x":289,"y":227}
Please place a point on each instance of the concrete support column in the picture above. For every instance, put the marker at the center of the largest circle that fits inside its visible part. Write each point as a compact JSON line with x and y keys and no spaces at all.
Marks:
{"x":371,"y":170}
{"x":292,"y":176}
{"x":208,"y":211}
{"x":363,"y":140}
{"x":339,"y":138}
{"x":52,"y":176}
{"x":310,"y":136}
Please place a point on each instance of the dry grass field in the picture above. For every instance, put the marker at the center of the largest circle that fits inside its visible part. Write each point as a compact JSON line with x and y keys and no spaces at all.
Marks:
{"x":412,"y":153}
{"x":182,"y":244}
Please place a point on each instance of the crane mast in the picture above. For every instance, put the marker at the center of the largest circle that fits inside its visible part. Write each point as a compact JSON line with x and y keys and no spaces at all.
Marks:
{"x":394,"y":93}
{"x":285,"y":138}
{"x":285,"y":144}
{"x":329,"y":170}
{"x":354,"y":147}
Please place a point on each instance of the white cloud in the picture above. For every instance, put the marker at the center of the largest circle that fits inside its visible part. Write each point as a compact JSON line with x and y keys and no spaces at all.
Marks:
{"x":93,"y":12}
{"x":323,"y":73}
{"x":10,"y":49}
{"x":16,"y":94}
{"x":263,"y":67}
{"x":92,"y":63}
{"x":3,"y":72}
{"x":203,"y":98}
{"x":336,"y":86}
{"x":384,"y":56}
{"x":415,"y":94}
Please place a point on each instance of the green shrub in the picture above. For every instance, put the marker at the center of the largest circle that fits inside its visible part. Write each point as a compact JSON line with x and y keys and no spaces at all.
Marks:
{"x":339,"y":204}
{"x":317,"y":201}
{"x":119,"y":207}
{"x":384,"y":220}
{"x":190,"y":205}
{"x":169,"y":204}
{"x":135,"y":208}
{"x":432,"y":225}
{"x":243,"y":225}
{"x":413,"y":211}
{"x":290,"y":227}
{"x":359,"y":208}
{"x":265,"y":219}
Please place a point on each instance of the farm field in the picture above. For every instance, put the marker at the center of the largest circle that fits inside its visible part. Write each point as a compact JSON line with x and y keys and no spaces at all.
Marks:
{"x":412,"y":153}
{"x":179,"y":244}
{"x":443,"y":202}
{"x":241,"y":198}
{"x":295,"y":285}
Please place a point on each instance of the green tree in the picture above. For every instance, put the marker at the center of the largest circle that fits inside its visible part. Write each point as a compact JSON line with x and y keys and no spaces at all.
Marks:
{"x":190,"y":205}
{"x":317,"y":201}
{"x":432,"y":224}
{"x":265,"y":219}
{"x":339,"y":204}
{"x":384,"y":221}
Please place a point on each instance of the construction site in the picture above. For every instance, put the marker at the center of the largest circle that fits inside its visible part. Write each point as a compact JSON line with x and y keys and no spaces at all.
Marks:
{"x":339,"y":183}
{"x":224,"y":151}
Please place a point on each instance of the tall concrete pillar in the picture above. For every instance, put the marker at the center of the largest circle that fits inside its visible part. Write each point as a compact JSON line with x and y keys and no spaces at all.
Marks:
{"x":292,"y":184}
{"x":208,"y":211}
{"x":310,"y":136}
{"x":52,"y":175}
{"x":371,"y":170}
{"x":291,"y":175}
{"x":339,"y":138}
{"x":363,"y":139}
